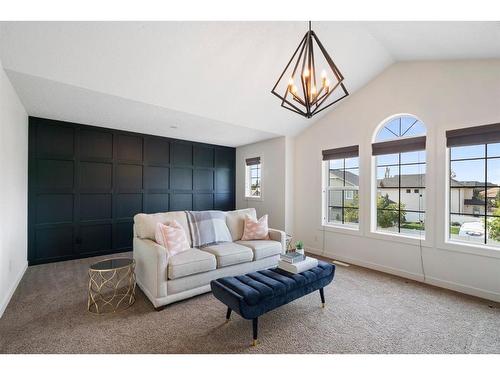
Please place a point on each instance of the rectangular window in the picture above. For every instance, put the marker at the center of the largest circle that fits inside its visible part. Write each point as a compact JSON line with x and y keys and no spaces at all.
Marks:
{"x":398,"y":210}
{"x":342,"y":192}
{"x":253,"y":178}
{"x":474,"y":194}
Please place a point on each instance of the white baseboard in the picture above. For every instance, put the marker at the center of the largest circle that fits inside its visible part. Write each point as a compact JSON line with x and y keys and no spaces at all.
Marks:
{"x":375,"y":266}
{"x":466,"y":289}
{"x":5,"y":302}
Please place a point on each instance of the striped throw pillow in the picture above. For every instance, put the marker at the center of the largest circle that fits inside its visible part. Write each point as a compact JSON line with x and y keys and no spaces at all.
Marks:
{"x":255,"y":229}
{"x":172,"y":237}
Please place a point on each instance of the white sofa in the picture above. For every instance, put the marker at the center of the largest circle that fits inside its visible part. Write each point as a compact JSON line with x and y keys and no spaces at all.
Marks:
{"x":166,"y":279}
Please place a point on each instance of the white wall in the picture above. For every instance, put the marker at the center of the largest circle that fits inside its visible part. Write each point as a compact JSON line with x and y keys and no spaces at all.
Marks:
{"x":14,"y":190}
{"x":277,"y":180}
{"x":444,"y":95}
{"x":289,"y":184}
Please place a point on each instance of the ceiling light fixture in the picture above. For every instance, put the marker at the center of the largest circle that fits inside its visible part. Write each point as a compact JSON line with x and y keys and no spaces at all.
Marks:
{"x":311,"y":94}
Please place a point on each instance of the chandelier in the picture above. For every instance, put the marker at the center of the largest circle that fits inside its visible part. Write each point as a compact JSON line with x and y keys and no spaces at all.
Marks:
{"x":304,"y":91}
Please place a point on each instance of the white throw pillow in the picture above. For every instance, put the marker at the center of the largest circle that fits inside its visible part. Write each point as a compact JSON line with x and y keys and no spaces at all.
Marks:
{"x":235,"y":221}
{"x":255,"y":229}
{"x":172,"y":237}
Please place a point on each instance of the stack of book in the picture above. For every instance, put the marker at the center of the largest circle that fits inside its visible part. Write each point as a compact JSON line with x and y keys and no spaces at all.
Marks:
{"x":292,"y":257}
{"x":294,"y":262}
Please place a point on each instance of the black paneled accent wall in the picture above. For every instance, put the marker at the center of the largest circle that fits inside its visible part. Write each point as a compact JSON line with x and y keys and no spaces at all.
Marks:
{"x":86,"y":183}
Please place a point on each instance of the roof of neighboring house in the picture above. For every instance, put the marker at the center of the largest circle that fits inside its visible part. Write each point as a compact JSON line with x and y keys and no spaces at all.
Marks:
{"x":409,"y":180}
{"x":491,"y":192}
{"x":474,"y":202}
{"x":350,"y":177}
{"x":477,"y":184}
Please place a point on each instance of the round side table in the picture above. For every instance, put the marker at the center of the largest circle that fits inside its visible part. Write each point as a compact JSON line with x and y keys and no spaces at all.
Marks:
{"x":111,"y":285}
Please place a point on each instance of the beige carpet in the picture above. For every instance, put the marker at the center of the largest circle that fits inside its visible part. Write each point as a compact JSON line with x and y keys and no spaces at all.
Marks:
{"x":367,"y":312}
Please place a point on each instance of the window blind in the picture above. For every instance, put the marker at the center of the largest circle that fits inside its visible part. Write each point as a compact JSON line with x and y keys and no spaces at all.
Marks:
{"x":473,"y":136}
{"x":400,"y":145}
{"x":253,"y":161}
{"x":341,"y":153}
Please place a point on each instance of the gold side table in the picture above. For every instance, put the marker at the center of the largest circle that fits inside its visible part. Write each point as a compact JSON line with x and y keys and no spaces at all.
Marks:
{"x":111,"y":285}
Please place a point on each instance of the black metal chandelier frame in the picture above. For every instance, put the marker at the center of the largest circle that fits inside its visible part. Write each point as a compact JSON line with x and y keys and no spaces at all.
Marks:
{"x":311,"y":103}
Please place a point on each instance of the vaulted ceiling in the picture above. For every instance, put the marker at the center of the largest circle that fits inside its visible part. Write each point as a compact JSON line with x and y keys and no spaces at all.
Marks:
{"x":206,"y":81}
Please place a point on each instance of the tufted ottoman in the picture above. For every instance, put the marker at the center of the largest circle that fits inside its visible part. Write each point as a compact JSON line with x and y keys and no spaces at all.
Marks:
{"x":256,"y":293}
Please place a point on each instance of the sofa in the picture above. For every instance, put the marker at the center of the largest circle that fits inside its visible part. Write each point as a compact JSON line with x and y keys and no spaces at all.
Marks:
{"x":166,"y":279}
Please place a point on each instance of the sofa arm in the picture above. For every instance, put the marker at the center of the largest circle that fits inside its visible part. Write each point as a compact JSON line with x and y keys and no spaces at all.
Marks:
{"x":151,"y":262}
{"x":280,"y":236}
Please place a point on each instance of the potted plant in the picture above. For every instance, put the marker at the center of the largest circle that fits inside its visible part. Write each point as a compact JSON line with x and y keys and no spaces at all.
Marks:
{"x":299,"y":247}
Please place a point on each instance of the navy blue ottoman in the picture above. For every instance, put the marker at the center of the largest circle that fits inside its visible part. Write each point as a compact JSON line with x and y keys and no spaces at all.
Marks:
{"x":256,"y":293}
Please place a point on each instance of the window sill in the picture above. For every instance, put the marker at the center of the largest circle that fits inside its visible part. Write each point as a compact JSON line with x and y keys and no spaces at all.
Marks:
{"x":255,"y":199}
{"x":397,"y":237}
{"x":467,"y":248}
{"x":341,"y":229}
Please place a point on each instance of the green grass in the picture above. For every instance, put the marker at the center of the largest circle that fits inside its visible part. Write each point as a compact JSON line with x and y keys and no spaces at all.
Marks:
{"x":415,"y":226}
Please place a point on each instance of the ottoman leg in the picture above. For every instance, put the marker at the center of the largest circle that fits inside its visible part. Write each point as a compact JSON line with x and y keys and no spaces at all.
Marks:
{"x":255,"y":324}
{"x":322,"y":295}
{"x":228,"y":314}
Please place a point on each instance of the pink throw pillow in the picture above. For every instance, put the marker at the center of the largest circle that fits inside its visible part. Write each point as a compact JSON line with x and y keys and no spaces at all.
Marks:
{"x":172,"y":237}
{"x":255,"y":229}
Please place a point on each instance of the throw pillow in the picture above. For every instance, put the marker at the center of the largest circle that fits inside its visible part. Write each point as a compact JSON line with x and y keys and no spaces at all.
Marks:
{"x":255,"y":229}
{"x":172,"y":237}
{"x":235,"y":221}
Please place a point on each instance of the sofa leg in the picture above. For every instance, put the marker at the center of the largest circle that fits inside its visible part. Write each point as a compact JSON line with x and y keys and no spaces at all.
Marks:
{"x":255,"y":325}
{"x":228,"y":314}
{"x":322,"y":295}
{"x":159,"y":308}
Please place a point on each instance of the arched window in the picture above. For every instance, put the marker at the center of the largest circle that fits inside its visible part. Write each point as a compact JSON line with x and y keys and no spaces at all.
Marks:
{"x":399,"y":127}
{"x":399,"y":151}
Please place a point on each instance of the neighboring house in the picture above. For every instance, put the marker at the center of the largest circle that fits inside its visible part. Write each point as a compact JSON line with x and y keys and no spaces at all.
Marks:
{"x":412,"y":192}
{"x":467,"y":197}
{"x":337,"y":178}
{"x":351,"y":181}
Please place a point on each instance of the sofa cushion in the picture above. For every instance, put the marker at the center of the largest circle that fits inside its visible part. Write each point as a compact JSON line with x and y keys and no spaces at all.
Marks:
{"x":262,"y":248}
{"x":190,"y":262}
{"x":229,"y":253}
{"x":235,"y":221}
{"x":145,"y":224}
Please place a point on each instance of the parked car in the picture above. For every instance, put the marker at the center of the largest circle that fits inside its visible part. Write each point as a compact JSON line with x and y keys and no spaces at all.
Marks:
{"x":472,"y":229}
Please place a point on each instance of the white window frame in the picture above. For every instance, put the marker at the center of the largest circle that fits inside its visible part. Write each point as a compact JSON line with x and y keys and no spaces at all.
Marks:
{"x":374,"y":231}
{"x":326,"y":189}
{"x":454,"y":244}
{"x":401,"y":190}
{"x":248,"y":180}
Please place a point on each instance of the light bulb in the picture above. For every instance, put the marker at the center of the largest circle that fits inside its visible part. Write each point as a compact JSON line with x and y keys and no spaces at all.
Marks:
{"x":327,"y":84}
{"x":306,"y":73}
{"x":313,"y":93}
{"x":293,"y":89}
{"x":290,"y":82}
{"x":324,"y":79}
